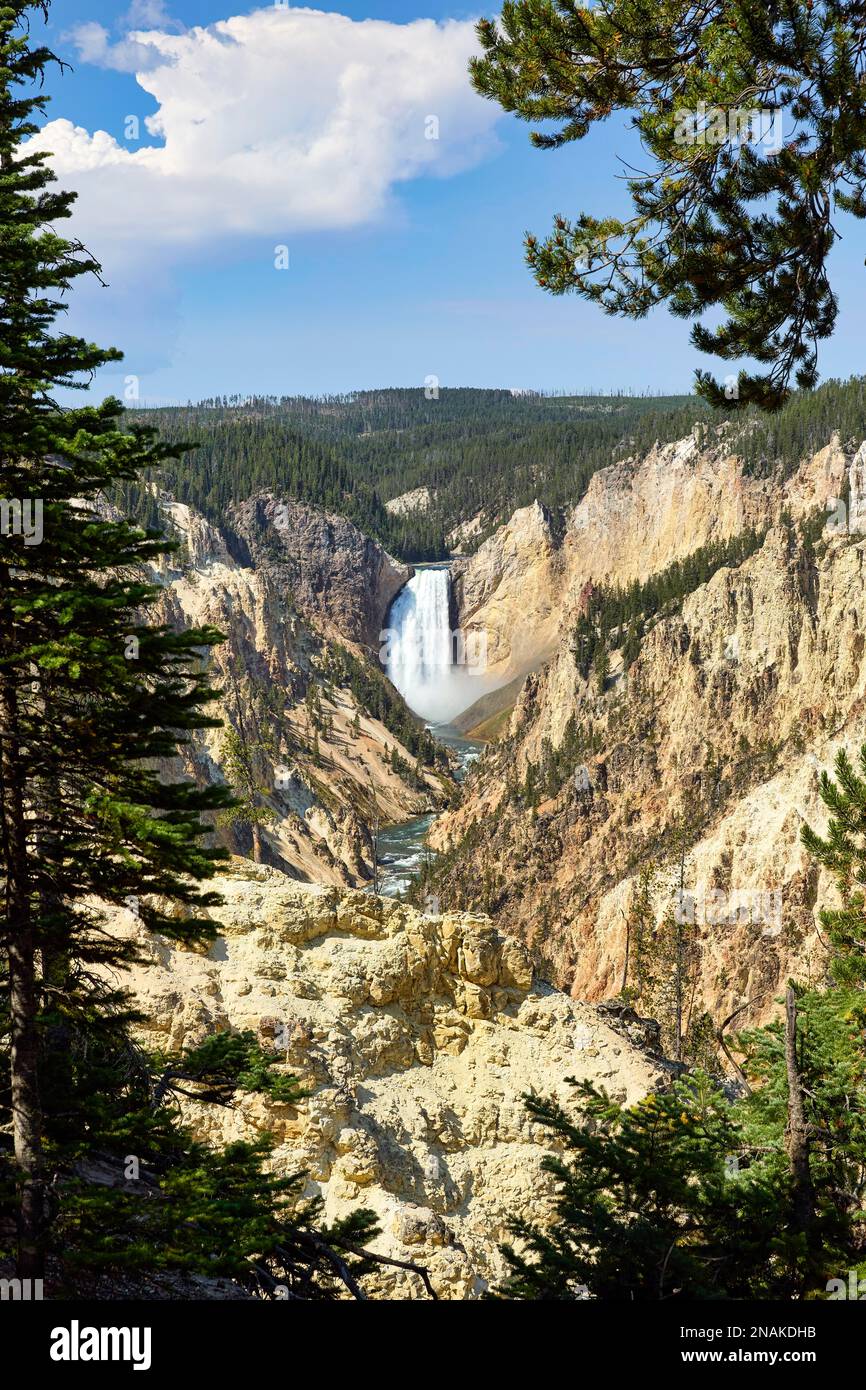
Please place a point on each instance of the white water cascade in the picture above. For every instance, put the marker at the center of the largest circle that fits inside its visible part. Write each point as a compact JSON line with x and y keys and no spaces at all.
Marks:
{"x":420,"y":650}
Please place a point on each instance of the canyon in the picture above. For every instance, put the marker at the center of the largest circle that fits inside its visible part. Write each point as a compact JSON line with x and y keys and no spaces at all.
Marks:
{"x":417,"y":1033}
{"x":742,"y":696}
{"x":289,"y":586}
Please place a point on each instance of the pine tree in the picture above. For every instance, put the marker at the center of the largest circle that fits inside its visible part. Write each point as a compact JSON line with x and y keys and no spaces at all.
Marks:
{"x":631,"y":646}
{"x":735,"y":207}
{"x":843,"y":850}
{"x":601,"y":668}
{"x":247,"y":759}
{"x":687,"y":1195}
{"x":639,"y":978}
{"x":691,"y":1195}
{"x":645,"y":1208}
{"x":93,"y":700}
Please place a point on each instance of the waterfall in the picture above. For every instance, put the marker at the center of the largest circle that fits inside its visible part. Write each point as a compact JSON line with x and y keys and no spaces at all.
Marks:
{"x":420,"y":651}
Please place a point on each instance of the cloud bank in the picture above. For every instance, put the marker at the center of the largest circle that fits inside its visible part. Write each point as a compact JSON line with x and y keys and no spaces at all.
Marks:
{"x":280,"y":121}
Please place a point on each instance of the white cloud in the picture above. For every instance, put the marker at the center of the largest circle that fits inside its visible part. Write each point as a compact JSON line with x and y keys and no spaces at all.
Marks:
{"x":151,"y":13}
{"x":94,"y":46}
{"x":279,"y":121}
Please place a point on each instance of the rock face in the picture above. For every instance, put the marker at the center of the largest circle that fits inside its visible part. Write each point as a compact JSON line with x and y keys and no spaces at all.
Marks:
{"x":287,"y":585}
{"x":734,"y":705}
{"x":332,"y":570}
{"x":510,"y":590}
{"x":419,"y":499}
{"x":635,"y":518}
{"x":417,"y":1037}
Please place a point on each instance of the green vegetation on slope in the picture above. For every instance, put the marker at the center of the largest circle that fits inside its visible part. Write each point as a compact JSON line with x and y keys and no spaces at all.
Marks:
{"x":618,"y":613}
{"x":480,"y":452}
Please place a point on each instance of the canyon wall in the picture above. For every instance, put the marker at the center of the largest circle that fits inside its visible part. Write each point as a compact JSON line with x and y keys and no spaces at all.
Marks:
{"x":636,"y":517}
{"x":288,"y":586}
{"x":721,"y":725}
{"x":333,"y":572}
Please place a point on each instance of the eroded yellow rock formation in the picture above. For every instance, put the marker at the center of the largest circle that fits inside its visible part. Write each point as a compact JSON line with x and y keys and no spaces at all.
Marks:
{"x":417,"y":1037}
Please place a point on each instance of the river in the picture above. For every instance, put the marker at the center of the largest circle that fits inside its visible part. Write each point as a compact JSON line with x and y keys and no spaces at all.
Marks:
{"x":428,"y":664}
{"x":402,"y":847}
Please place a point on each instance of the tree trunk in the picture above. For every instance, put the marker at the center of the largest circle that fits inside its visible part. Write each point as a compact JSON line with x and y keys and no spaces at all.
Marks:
{"x":678,"y":997}
{"x":56,"y":1075}
{"x":23,"y":993}
{"x":797,"y":1134}
{"x":624,"y":984}
{"x":679,"y":950}
{"x":56,"y":1072}
{"x":26,"y":1109}
{"x":257,"y":842}
{"x":376,"y":855}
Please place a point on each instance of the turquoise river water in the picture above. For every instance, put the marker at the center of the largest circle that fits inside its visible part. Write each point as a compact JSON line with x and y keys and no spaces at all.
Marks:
{"x":402,"y":847}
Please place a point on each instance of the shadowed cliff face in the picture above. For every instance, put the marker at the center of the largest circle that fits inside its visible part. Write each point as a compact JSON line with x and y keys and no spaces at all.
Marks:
{"x":333,"y":571}
{"x":289,"y":586}
{"x":734,"y":704}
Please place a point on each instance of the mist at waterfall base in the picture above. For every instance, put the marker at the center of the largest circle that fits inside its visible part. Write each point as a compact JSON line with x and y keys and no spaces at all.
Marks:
{"x":421,"y":650}
{"x":420,"y":663}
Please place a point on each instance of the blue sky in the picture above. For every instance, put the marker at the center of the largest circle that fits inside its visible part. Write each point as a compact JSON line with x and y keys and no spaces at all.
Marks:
{"x":405,"y":257}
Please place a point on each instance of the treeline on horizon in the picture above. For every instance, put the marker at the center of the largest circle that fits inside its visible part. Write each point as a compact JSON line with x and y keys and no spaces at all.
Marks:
{"x":480,"y":452}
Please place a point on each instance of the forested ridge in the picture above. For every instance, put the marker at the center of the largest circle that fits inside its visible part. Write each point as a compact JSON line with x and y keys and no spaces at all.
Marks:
{"x":480,"y":452}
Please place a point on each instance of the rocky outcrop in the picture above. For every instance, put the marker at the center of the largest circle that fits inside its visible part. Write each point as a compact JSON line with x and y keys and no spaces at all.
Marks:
{"x":417,"y":1038}
{"x":465,"y":534}
{"x":510,"y":590}
{"x":419,"y":499}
